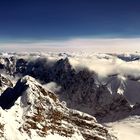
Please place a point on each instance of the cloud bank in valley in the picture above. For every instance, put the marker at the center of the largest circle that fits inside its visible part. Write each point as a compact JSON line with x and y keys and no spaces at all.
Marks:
{"x":117,"y":45}
{"x":104,"y":64}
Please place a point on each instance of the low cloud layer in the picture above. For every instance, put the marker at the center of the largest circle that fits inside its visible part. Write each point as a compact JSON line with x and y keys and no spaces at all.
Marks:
{"x":104,"y":64}
{"x":79,"y":44}
{"x":52,"y":86}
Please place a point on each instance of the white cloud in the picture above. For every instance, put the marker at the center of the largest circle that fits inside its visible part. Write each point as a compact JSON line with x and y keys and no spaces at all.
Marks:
{"x":52,"y":86}
{"x":104,"y":64}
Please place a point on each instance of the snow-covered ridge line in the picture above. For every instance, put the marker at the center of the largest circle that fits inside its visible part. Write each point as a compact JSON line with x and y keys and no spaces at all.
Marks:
{"x":38,"y":114}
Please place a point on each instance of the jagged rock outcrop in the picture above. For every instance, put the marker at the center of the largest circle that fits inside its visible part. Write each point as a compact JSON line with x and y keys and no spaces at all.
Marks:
{"x":11,"y":94}
{"x":43,"y":114}
{"x":4,"y":83}
{"x":21,"y":66}
{"x":7,"y":64}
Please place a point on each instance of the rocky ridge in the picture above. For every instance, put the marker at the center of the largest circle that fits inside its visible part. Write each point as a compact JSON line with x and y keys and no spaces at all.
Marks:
{"x":38,"y":113}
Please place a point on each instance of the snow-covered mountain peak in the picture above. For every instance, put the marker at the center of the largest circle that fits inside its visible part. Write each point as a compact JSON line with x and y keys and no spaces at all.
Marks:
{"x":28,"y":80}
{"x":38,"y":114}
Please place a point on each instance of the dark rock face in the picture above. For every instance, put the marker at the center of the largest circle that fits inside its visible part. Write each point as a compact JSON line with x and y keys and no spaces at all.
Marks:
{"x":86,"y":95}
{"x":119,"y":108}
{"x":63,"y":73}
{"x":60,"y":72}
{"x":129,"y":58}
{"x":39,"y":68}
{"x":21,"y":66}
{"x":81,"y":90}
{"x":10,"y":95}
{"x":1,"y":66}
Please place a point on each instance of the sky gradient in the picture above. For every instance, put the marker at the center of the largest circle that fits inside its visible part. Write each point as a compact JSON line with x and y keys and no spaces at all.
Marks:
{"x":66,"y":19}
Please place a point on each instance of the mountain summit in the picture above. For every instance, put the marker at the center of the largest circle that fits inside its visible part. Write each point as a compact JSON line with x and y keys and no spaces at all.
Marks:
{"x":38,"y":114}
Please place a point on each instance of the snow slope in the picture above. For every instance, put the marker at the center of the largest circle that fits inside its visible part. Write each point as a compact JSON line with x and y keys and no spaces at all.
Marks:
{"x":126,"y":129}
{"x":38,"y":114}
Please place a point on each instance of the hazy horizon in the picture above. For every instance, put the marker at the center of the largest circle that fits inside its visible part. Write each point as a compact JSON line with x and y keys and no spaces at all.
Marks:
{"x":99,"y":45}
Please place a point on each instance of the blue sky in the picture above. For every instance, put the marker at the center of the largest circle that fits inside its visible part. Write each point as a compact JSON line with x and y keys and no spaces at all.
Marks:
{"x":66,"y":19}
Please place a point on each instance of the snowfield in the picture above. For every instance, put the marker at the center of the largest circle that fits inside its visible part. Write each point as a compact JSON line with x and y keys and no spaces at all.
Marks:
{"x":126,"y":129}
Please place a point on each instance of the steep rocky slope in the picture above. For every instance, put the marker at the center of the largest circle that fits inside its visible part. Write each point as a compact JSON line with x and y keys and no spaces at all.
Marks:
{"x":36,"y":113}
